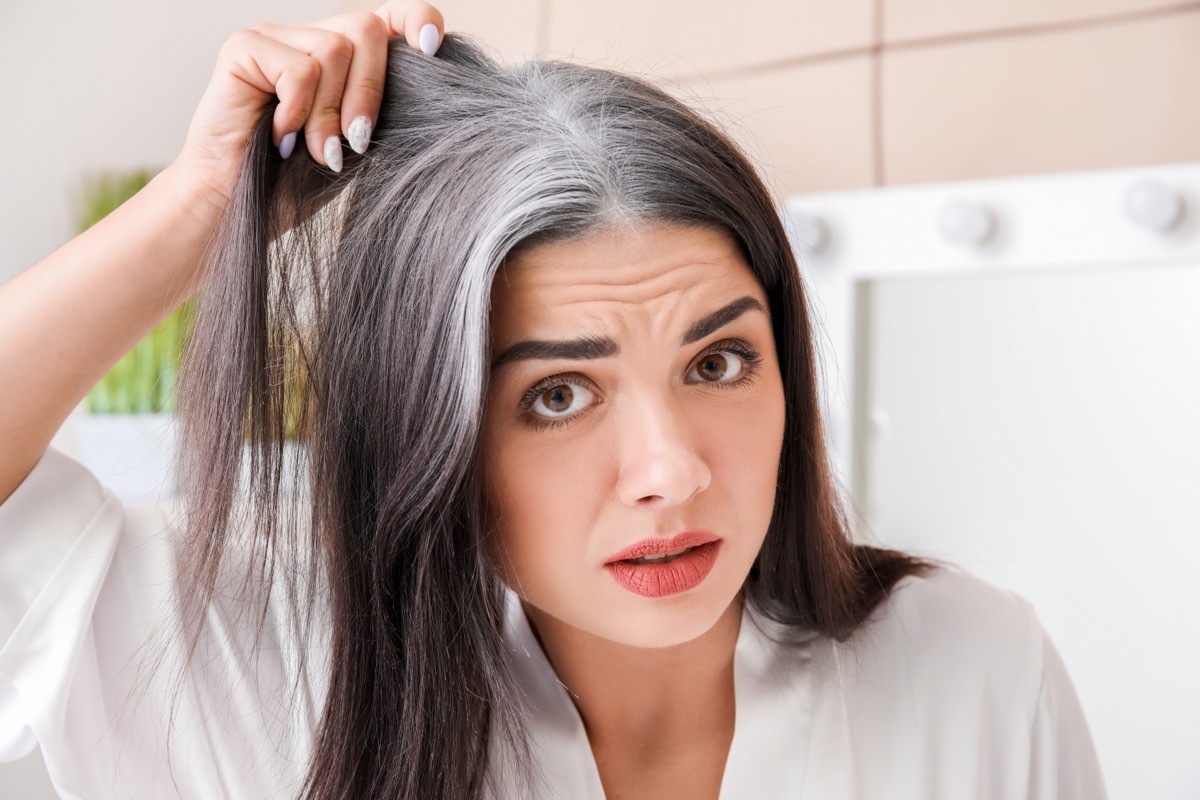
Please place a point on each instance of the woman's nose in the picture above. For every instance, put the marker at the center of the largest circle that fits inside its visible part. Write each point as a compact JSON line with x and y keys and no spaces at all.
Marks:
{"x":660,"y":458}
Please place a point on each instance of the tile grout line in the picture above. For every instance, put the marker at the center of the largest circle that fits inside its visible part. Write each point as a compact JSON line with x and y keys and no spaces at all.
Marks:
{"x":876,"y":100}
{"x":542,"y":34}
{"x":1016,"y":31}
{"x":882,"y":48}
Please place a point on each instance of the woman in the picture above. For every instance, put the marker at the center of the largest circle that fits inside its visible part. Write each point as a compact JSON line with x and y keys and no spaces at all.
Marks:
{"x":572,"y":530}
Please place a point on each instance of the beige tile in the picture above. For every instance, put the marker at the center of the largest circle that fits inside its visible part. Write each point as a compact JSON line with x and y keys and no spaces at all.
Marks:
{"x":509,"y":28}
{"x":1096,"y":98}
{"x":917,"y":19}
{"x":688,"y":38}
{"x":807,"y":127}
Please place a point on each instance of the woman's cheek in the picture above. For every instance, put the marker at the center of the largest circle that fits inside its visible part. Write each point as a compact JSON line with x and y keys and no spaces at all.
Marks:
{"x":749,"y":452}
{"x":540,"y":493}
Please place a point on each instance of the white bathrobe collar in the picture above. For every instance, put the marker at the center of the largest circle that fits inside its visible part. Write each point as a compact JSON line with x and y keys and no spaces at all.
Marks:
{"x":773,"y":696}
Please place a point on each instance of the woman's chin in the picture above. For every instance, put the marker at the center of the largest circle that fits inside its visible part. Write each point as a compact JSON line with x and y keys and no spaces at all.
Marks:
{"x":658,"y":624}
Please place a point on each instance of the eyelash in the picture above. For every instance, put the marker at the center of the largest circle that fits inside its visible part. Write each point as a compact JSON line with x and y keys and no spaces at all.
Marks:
{"x":740,"y":349}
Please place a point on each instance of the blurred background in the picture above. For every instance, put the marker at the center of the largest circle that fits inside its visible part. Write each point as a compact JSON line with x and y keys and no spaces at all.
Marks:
{"x":996,"y":207}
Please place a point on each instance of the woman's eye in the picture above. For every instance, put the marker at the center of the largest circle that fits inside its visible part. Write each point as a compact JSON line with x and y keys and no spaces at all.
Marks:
{"x":720,"y":367}
{"x":561,"y":399}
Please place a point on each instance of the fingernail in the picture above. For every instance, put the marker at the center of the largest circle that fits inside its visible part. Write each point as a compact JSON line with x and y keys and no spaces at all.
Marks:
{"x":287,"y":144}
{"x":360,"y":133}
{"x":428,"y":39}
{"x":333,"y":153}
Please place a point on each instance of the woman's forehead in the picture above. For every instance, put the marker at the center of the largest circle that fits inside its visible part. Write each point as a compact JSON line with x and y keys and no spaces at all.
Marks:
{"x":625,"y":272}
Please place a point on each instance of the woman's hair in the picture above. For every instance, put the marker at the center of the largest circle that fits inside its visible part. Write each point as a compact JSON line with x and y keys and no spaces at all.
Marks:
{"x":374,"y":285}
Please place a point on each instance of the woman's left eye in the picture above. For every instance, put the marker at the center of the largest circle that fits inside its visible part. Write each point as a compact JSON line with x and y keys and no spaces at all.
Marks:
{"x":728,"y":365}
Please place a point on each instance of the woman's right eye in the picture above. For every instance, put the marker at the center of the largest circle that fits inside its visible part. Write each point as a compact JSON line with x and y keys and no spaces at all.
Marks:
{"x":556,"y":398}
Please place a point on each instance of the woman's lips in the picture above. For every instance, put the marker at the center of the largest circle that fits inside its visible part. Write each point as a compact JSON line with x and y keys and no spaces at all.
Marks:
{"x":660,"y":546}
{"x":669,"y":577}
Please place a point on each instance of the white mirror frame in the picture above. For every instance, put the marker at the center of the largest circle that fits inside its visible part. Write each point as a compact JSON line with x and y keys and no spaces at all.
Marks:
{"x":1123,"y":218}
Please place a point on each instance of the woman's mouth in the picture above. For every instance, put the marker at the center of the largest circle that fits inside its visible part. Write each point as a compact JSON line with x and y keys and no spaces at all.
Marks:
{"x":658,"y":547}
{"x":666,"y":574}
{"x":660,"y":559}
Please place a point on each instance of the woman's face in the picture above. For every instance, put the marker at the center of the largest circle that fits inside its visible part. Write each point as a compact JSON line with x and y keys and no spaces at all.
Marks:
{"x":656,"y":425}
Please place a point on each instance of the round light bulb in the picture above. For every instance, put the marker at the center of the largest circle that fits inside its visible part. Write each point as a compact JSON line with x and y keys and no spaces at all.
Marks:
{"x":809,"y":232}
{"x":1153,"y":205}
{"x":965,"y":222}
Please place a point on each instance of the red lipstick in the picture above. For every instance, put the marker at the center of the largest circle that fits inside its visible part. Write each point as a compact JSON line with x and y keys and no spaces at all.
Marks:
{"x":659,"y":546}
{"x":669,"y":576}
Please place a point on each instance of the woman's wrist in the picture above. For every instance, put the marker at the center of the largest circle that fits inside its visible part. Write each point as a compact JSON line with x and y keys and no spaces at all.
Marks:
{"x":189,"y":209}
{"x":186,"y":190}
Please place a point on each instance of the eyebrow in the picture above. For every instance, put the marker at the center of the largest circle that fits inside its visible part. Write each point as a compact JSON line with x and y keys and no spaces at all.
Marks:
{"x":592,"y":347}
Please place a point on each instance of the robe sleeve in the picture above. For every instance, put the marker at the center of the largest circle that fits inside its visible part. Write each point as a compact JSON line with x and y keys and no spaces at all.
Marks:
{"x":58,"y":532}
{"x":1063,"y":764}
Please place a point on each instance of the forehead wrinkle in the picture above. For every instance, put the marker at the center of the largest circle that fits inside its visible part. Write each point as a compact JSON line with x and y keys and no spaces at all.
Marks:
{"x":618,"y":318}
{"x":554,"y":292}
{"x":604,"y":282}
{"x":561,"y":262}
{"x":642,"y":289}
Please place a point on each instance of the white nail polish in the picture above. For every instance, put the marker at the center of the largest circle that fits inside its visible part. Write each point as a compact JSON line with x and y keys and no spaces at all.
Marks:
{"x":287,"y":144}
{"x":428,"y":39}
{"x":360,"y":133}
{"x":333,"y":153}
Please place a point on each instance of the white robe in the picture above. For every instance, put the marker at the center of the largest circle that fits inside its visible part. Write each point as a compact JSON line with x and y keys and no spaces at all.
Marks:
{"x":951,"y":690}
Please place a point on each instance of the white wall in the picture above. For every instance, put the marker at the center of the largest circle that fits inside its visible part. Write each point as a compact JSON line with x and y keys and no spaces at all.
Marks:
{"x":102,"y":86}
{"x":91,"y":87}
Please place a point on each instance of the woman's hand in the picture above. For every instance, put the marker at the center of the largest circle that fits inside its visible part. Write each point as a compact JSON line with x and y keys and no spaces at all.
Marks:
{"x":328,"y":76}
